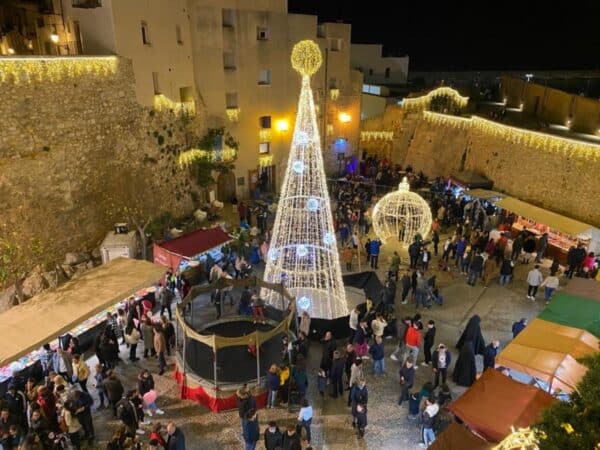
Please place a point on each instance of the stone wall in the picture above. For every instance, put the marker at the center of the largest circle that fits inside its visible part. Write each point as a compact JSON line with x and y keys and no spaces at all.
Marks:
{"x":77,"y":151}
{"x":552,"y":173}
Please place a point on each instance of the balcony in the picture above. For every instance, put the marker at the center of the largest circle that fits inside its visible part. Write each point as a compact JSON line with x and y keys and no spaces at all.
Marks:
{"x":87,"y":4}
{"x":163,"y":103}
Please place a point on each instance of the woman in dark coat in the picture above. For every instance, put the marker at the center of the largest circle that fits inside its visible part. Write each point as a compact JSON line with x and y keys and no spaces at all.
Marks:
{"x":465,"y":370}
{"x":472,"y":333}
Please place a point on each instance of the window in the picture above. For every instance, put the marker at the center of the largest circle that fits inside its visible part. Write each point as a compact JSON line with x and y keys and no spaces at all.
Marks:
{"x":228,"y":18}
{"x":178,"y":34}
{"x":336,"y":45}
{"x":231,"y":100}
{"x":145,"y":35}
{"x":321,"y":31}
{"x":229,"y":61}
{"x":370,"y":71}
{"x":264,"y":77}
{"x":86,"y":3}
{"x":264,"y":147}
{"x":333,"y":83}
{"x":40,"y":22}
{"x":155,"y":83}
{"x":265,"y":122}
{"x":262,"y":33}
{"x":387,"y":72}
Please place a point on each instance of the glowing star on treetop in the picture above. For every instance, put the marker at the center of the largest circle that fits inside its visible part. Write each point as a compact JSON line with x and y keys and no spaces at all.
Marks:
{"x":303,"y":250}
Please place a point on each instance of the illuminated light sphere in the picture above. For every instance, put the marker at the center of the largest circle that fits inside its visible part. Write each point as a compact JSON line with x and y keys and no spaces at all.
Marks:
{"x":306,"y":57}
{"x":303,"y":138}
{"x":304,"y":303}
{"x":273,"y":254}
{"x":401,"y":215}
{"x":312,"y":204}
{"x":298,"y":167}
{"x":303,"y":229}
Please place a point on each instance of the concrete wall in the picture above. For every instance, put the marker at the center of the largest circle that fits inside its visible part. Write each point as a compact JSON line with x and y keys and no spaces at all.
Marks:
{"x":76,"y":148}
{"x":552,"y":105}
{"x":368,"y":57}
{"x":555,"y":178}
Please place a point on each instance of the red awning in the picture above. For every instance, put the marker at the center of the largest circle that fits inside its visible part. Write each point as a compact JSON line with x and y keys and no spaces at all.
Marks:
{"x":170,"y":253}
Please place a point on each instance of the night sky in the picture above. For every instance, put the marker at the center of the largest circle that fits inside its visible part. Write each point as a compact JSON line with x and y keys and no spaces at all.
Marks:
{"x":505,"y":34}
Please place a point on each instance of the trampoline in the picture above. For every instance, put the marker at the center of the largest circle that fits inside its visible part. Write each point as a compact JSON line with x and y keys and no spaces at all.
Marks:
{"x":218,"y":355}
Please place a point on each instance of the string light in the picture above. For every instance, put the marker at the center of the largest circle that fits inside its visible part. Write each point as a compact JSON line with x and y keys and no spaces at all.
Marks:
{"x":305,"y":253}
{"x":233,"y":114}
{"x":527,"y":138}
{"x":264,"y":135}
{"x":423,"y":102}
{"x":521,"y":439}
{"x":329,"y":129}
{"x":164,"y":103}
{"x":334,"y":94}
{"x":401,"y":215}
{"x":32,"y":69}
{"x":188,"y":157}
{"x":376,"y":136}
{"x":265,"y":161}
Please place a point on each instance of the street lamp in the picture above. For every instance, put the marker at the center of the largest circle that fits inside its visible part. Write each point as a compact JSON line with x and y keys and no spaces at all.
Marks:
{"x":344,"y":117}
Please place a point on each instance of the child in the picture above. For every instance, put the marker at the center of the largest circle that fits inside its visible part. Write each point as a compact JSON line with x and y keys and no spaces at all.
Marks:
{"x":361,"y":418}
{"x":322,"y":382}
{"x":99,"y":377}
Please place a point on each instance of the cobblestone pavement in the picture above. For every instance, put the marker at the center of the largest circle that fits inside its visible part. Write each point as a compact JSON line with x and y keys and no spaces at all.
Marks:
{"x":389,"y":427}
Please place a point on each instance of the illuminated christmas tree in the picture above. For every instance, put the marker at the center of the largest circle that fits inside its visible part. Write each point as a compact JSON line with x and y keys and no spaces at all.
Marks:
{"x":303,"y":250}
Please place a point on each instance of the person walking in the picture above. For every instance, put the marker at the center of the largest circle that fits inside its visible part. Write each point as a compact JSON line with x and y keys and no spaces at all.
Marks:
{"x":413,"y":341}
{"x":550,"y":284}
{"x":291,"y":439}
{"x":81,"y":372}
{"x":336,"y":374}
{"x":361,"y":419}
{"x":272,"y":386}
{"x":251,"y":431}
{"x":305,"y":419}
{"x":506,"y":271}
{"x":414,"y":250}
{"x":374,"y":249}
{"x":542,"y":245}
{"x":358,"y":395}
{"x":349,"y":358}
{"x":166,"y":298}
{"x":114,"y":390}
{"x":273,"y":437}
{"x":440,"y":362}
{"x":475,"y":268}
{"x":428,"y":341}
{"x":176,"y":439}
{"x":427,"y":420}
{"x":377,"y":353}
{"x":407,"y":379}
{"x":160,"y":345}
{"x":132,"y":337}
{"x":406,"y":283}
{"x":534,"y":279}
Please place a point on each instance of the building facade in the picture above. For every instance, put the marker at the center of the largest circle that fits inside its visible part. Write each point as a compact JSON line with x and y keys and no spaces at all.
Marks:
{"x":377,"y":69}
{"x":230,"y":59}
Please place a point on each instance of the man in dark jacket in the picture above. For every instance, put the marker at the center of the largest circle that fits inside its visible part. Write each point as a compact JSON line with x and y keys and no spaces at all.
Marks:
{"x":273,"y":437}
{"x":475,"y":268}
{"x":377,"y":353}
{"x":407,"y":379}
{"x":542,"y":245}
{"x":291,"y":439}
{"x":517,"y":327}
{"x":489,"y":355}
{"x":114,"y":390}
{"x":251,"y":432}
{"x":176,"y":440}
{"x":414,"y":250}
{"x":428,"y":341}
{"x":245,"y":402}
{"x":517,"y":246}
{"x":329,"y":347}
{"x":406,"y":282}
{"x":337,"y":374}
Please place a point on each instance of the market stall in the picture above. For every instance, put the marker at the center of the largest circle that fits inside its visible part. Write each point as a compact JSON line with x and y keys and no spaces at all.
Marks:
{"x":563,"y":232}
{"x":484,"y":194}
{"x":194,"y":246}
{"x":574,"y":311}
{"x":495,"y":403}
{"x":459,"y":437}
{"x":467,"y":179}
{"x":548,"y":352}
{"x":77,"y":307}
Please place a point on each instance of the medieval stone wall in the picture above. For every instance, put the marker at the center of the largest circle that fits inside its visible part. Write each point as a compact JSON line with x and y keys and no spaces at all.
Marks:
{"x":77,"y":151}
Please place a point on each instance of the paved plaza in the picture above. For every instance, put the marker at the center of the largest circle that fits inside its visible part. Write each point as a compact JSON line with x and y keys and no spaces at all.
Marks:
{"x":389,"y":427}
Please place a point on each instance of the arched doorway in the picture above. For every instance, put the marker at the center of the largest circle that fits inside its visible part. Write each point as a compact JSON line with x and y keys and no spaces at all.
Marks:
{"x":226,"y":186}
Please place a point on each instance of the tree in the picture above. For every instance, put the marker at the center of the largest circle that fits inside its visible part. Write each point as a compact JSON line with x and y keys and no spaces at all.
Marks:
{"x":575,"y":424}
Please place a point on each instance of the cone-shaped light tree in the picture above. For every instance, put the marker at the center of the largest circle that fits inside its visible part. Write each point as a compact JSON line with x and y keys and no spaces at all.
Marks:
{"x":303,"y":250}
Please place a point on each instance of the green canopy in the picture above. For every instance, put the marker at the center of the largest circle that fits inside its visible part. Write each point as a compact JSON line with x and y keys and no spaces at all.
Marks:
{"x":574,"y":311}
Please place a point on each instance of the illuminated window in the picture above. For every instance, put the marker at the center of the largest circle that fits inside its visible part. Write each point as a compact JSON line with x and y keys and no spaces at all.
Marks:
{"x":336,"y":45}
{"x":145,"y":35}
{"x":264,"y":148}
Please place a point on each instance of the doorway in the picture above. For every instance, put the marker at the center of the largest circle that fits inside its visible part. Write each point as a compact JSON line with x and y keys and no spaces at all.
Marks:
{"x":226,"y":186}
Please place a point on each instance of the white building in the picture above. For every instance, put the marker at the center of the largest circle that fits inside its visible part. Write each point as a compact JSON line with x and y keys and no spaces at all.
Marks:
{"x":377,"y":69}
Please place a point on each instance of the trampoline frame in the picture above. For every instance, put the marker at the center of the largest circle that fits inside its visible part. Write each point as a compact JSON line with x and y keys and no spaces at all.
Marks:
{"x":185,"y":331}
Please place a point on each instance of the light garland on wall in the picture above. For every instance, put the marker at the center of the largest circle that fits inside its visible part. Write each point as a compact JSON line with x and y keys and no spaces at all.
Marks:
{"x":233,"y":114}
{"x":527,"y":138}
{"x":32,"y":69}
{"x":164,"y":103}
{"x":423,"y":102}
{"x":265,"y":161}
{"x":329,"y":129}
{"x":264,"y":135}
{"x":401,"y":215}
{"x":376,"y":136}
{"x":303,"y":250}
{"x":188,"y":157}
{"x":334,"y":94}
